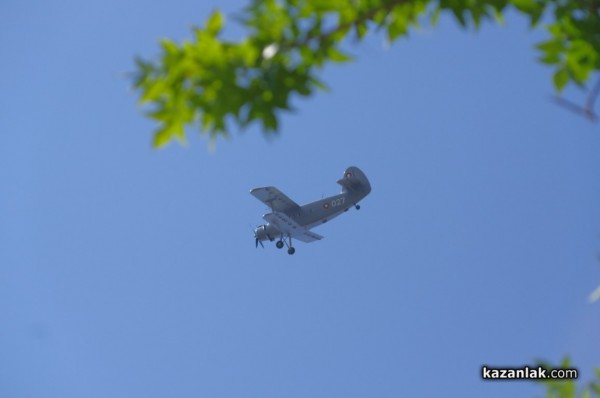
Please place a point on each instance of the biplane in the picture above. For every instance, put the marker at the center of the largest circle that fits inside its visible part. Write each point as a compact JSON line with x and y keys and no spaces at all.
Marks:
{"x":288,"y":220}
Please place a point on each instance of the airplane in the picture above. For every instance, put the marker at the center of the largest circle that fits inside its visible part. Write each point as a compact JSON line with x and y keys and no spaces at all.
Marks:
{"x":290,"y":220}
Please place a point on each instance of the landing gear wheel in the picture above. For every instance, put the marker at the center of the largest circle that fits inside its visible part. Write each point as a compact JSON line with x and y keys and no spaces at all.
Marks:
{"x":291,"y":251}
{"x":279,"y":244}
{"x":357,"y":207}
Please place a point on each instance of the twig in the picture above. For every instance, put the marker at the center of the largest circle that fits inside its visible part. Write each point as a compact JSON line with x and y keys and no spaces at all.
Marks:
{"x":584,"y":111}
{"x":591,"y":99}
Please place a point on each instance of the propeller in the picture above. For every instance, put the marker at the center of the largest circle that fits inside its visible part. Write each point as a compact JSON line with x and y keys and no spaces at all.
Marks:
{"x":256,"y":240}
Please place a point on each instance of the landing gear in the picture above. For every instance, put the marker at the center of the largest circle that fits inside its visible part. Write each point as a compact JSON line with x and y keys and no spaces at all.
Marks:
{"x":287,"y":241}
{"x":357,"y":207}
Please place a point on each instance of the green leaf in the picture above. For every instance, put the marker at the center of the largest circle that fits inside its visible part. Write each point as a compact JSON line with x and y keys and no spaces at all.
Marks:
{"x":270,"y":121}
{"x":435,"y":16}
{"x":337,"y":56}
{"x":248,"y":53}
{"x":477,"y":14}
{"x":560,"y":78}
{"x":579,"y":71}
{"x":550,"y":59}
{"x":169,"y":47}
{"x":460,"y":16}
{"x":499,"y":17}
{"x":552,"y":46}
{"x":361,"y":30}
{"x":153,"y":91}
{"x":163,"y":136}
{"x":534,"y":9}
{"x":318,"y":83}
{"x":586,"y":394}
{"x":399,"y":24}
{"x":526,"y":6}
{"x":565,"y":363}
{"x":214,"y":23}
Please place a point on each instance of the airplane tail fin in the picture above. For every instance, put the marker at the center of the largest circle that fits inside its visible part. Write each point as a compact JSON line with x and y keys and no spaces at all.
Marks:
{"x":354,"y":180}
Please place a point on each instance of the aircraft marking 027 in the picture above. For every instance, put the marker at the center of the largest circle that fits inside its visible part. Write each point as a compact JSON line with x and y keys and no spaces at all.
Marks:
{"x":289,"y":220}
{"x":338,"y":202}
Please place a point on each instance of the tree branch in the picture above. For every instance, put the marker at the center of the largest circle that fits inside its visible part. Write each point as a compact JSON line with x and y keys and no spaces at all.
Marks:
{"x":576,"y":108}
{"x":591,"y":99}
{"x":369,"y":14}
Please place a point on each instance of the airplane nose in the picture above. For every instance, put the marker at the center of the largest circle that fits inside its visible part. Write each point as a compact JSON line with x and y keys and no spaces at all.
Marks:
{"x":260,"y":232}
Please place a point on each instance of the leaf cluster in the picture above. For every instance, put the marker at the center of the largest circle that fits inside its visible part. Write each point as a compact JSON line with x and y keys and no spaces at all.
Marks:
{"x":568,"y":388}
{"x":574,"y":44}
{"x":212,"y":83}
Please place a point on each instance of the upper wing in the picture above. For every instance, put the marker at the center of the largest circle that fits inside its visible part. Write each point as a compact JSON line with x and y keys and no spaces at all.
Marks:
{"x":275,"y":199}
{"x":290,"y":227}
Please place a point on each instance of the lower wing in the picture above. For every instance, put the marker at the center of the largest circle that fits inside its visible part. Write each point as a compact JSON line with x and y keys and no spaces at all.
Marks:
{"x":290,"y":227}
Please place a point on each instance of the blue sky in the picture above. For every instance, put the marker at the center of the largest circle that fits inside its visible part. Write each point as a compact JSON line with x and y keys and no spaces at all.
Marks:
{"x":131,"y":272}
